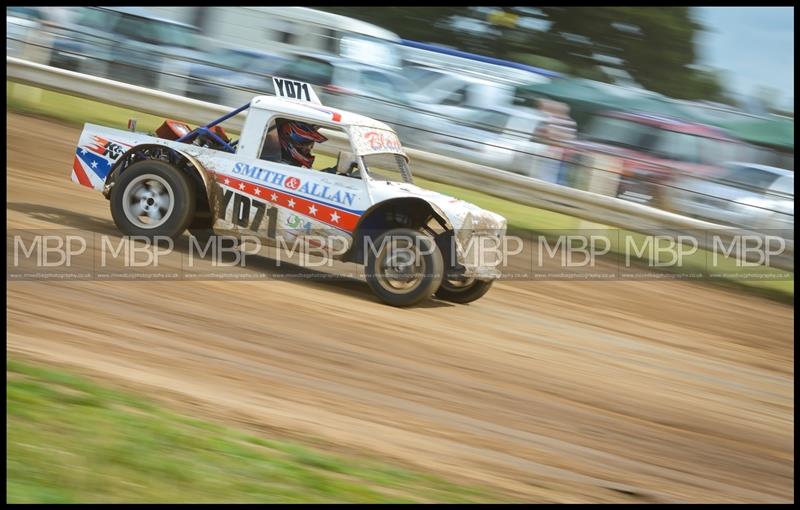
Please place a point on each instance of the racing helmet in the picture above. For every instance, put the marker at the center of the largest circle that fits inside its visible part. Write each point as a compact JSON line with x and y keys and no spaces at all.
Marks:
{"x":297,"y":139}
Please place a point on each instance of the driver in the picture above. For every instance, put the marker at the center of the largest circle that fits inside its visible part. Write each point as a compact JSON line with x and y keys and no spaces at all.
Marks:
{"x":297,"y":140}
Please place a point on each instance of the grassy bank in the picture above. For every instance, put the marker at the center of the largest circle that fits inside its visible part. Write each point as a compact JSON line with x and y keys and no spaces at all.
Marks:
{"x":70,"y":440}
{"x":77,"y":111}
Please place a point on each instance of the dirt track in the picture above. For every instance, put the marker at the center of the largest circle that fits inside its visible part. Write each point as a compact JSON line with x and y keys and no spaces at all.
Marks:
{"x":659,"y":391}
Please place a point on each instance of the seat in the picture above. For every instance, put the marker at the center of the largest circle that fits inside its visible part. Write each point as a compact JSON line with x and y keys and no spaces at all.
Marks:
{"x":217,"y":130}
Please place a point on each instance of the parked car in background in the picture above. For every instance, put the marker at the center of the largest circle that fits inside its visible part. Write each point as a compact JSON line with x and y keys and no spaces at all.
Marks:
{"x":420,"y":75}
{"x":24,"y":38}
{"x":738,"y":194}
{"x":283,"y":30}
{"x":454,"y":89}
{"x":233,"y":75}
{"x":653,"y":150}
{"x":128,"y":44}
{"x":442,"y":95}
{"x":499,"y":137}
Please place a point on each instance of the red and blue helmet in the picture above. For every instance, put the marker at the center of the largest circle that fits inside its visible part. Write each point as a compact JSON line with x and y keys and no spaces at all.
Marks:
{"x":297,"y":139}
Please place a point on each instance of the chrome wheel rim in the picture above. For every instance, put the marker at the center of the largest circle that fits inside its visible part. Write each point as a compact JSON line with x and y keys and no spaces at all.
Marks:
{"x":148,"y":201}
{"x":400,"y":271}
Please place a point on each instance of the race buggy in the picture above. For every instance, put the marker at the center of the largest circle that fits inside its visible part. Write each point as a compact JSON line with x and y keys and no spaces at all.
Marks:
{"x":414,"y":243}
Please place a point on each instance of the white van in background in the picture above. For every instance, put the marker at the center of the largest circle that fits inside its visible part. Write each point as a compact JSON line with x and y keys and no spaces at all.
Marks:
{"x":285,"y":30}
{"x":434,"y":56}
{"x":449,"y":88}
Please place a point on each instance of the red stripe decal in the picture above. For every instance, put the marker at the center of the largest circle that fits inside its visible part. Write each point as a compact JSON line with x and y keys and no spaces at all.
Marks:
{"x":97,"y":149}
{"x":310,"y":209}
{"x":83,"y":179}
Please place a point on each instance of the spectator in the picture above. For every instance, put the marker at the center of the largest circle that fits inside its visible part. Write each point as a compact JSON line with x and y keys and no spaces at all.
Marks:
{"x":557,"y":127}
{"x":556,"y":131}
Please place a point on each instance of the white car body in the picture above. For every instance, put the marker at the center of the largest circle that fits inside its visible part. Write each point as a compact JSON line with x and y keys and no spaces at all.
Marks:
{"x":745,"y":195}
{"x":299,"y":201}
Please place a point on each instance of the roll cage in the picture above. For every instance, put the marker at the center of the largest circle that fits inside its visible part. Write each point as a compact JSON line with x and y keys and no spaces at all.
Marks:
{"x":205,"y":130}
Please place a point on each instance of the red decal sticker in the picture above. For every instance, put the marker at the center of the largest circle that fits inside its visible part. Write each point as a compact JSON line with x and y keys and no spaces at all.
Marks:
{"x":83,"y":179}
{"x":292,"y":183}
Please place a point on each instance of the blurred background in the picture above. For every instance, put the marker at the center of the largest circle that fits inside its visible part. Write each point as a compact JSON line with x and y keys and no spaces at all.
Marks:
{"x":684,"y":109}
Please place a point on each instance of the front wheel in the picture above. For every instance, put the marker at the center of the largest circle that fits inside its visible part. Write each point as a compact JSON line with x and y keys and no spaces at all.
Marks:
{"x":403,"y":267}
{"x":465,"y":291}
{"x":152,"y":198}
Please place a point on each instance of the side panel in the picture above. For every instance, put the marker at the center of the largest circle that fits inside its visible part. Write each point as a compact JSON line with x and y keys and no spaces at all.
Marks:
{"x":272,"y":199}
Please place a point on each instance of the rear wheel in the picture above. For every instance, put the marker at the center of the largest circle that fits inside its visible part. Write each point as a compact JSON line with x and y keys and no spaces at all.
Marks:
{"x":404,"y":267}
{"x":463,"y":291}
{"x":152,"y":198}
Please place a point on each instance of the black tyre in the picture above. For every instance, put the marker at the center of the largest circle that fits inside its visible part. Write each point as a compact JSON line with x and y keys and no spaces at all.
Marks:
{"x":202,"y":225}
{"x":152,"y":198}
{"x":404,"y":267}
{"x":201,"y":236}
{"x":463,"y":292}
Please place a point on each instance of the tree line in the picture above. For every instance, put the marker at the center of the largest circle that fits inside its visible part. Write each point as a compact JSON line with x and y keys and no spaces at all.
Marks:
{"x":654,"y":47}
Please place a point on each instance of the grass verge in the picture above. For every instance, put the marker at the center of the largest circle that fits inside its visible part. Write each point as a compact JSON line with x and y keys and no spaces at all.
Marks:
{"x":70,"y":440}
{"x":77,"y":111}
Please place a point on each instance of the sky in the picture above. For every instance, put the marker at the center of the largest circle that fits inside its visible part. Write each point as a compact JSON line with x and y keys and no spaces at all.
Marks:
{"x":754,"y":45}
